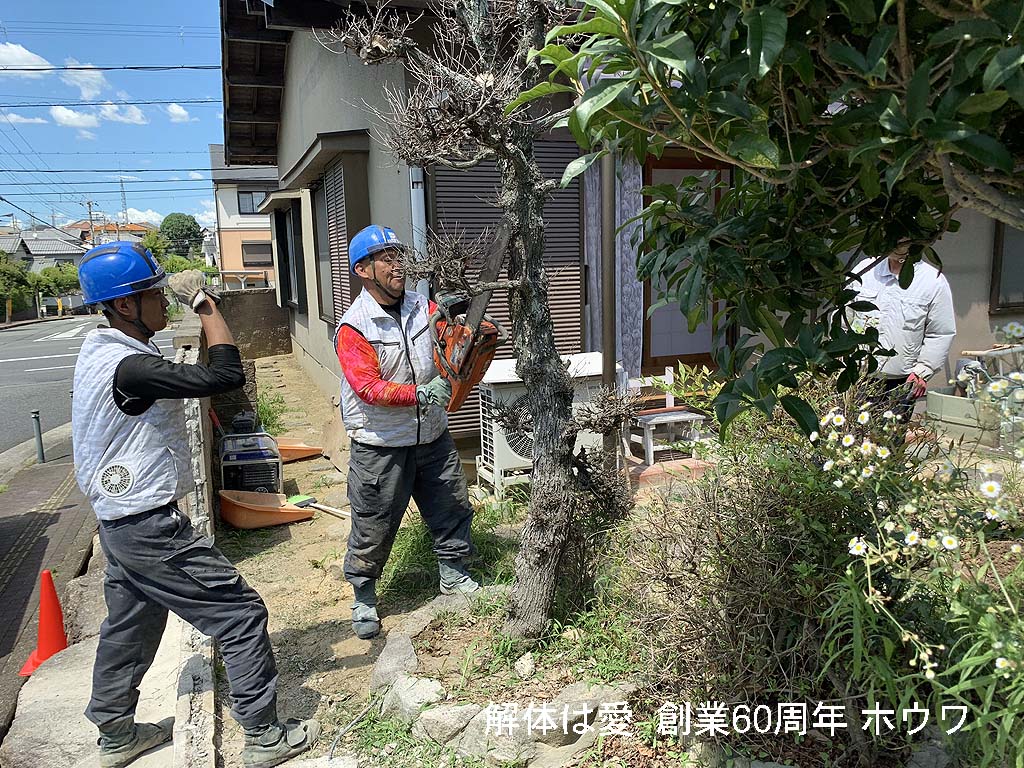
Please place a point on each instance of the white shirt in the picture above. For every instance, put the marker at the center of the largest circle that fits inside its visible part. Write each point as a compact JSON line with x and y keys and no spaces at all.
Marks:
{"x":917,"y":323}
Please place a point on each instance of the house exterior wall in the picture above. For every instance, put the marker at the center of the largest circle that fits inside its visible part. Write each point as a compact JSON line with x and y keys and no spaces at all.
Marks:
{"x":233,"y":229}
{"x":229,"y":218}
{"x":324,"y":93}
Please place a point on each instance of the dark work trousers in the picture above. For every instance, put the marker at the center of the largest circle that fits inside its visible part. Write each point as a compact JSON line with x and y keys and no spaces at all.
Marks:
{"x":900,"y":399}
{"x":157,"y":562}
{"x":380,"y":483}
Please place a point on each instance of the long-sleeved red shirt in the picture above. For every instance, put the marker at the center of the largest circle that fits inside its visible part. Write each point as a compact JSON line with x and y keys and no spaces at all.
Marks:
{"x":361,"y":367}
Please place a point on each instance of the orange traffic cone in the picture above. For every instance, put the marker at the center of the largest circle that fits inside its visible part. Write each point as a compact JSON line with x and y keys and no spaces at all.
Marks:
{"x":51,"y":637}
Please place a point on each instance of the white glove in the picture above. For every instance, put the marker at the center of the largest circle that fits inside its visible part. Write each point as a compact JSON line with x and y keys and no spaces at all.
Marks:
{"x":190,"y":288}
{"x":437,"y":391}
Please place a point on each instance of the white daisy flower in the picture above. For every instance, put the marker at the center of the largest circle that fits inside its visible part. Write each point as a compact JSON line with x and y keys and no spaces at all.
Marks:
{"x":828,"y":465}
{"x":932,"y":543}
{"x":950,"y":542}
{"x":909,"y":508}
{"x":1002,"y":663}
{"x":826,"y":419}
{"x":848,"y":440}
{"x":889,"y":526}
{"x":991,"y":489}
{"x":833,"y":436}
{"x":857,"y":546}
{"x":912,"y":539}
{"x":1016,"y":549}
{"x":863,"y":417}
{"x":888,"y":415}
{"x":868,"y":471}
{"x":883,"y":452}
{"x":838,"y":420}
{"x":1016,"y":376}
{"x":992,"y":514}
{"x":867,"y":448}
{"x":986,"y":468}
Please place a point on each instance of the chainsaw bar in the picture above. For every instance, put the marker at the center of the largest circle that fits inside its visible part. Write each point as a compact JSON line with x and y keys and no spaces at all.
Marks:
{"x":488,"y":274}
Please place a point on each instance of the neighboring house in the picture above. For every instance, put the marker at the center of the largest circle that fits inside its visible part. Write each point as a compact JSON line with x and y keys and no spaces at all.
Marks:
{"x":40,"y":252}
{"x":290,"y":102}
{"x":210,"y":252}
{"x":243,"y":232}
{"x":108,"y":231}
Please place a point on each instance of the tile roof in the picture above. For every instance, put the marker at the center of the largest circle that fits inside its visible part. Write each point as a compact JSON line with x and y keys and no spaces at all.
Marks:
{"x":9,"y":243}
{"x":51,"y":246}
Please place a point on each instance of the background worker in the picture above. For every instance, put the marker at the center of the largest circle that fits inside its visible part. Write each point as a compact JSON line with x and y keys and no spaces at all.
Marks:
{"x":916,"y":322}
{"x":132,"y":461}
{"x":393,"y":404}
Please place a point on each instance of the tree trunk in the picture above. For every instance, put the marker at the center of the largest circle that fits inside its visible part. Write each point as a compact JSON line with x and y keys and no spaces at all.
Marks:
{"x":546,"y":532}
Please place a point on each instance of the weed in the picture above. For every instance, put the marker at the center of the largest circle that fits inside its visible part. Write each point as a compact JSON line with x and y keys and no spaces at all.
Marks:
{"x":270,"y":408}
{"x":4,"y":487}
{"x":388,"y":742}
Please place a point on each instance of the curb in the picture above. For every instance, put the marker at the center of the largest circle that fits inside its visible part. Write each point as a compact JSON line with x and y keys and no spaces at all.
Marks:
{"x":194,"y":714}
{"x":23,"y":455}
{"x":23,"y":323}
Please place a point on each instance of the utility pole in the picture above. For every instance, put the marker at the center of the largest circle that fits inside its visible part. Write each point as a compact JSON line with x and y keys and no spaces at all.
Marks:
{"x":124,"y":207}
{"x":92,"y":233}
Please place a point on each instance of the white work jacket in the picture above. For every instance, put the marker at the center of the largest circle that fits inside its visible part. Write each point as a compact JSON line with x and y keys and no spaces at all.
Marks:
{"x":917,"y":323}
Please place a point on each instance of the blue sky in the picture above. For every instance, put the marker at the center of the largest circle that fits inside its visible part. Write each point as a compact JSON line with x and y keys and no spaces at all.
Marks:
{"x":108,"y":140}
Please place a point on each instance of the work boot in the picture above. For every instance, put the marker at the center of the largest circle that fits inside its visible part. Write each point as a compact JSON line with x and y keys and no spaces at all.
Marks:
{"x":455,"y":579}
{"x":365,"y":621}
{"x":270,"y":745}
{"x":120,"y":746}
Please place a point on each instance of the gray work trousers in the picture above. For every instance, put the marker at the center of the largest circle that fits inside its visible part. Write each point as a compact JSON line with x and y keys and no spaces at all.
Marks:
{"x":380,"y":482}
{"x":157,"y":562}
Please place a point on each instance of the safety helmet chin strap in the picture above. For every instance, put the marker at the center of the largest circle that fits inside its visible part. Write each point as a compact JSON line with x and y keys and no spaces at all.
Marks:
{"x":137,"y":322}
{"x":379,"y":284}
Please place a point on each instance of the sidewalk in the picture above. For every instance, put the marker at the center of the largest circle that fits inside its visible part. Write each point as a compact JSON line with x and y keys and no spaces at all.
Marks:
{"x":45,"y":522}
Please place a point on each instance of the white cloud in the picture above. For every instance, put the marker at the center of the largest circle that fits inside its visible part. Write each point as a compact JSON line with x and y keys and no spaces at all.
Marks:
{"x":175,"y":178}
{"x":122,"y":177}
{"x":123,"y":95}
{"x":90,"y":82}
{"x":179,"y":114}
{"x":87,"y":135}
{"x":117,"y":113}
{"x":195,"y":176}
{"x":149,"y":216}
{"x":22,"y":120}
{"x":69,"y":118}
{"x":208,"y":216}
{"x":14,"y":55}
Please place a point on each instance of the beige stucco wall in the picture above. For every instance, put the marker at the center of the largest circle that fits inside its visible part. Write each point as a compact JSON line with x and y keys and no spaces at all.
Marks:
{"x":231,"y":248}
{"x":228,"y":216}
{"x":326,"y":92}
{"x":967,"y":263}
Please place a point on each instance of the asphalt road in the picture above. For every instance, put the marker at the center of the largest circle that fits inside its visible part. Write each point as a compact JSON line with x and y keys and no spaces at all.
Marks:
{"x":37,"y":366}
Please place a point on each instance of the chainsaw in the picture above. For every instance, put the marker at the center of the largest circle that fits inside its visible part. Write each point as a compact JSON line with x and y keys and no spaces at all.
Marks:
{"x":466,"y":338}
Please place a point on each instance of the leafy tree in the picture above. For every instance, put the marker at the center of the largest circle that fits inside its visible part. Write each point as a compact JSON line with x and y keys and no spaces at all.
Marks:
{"x":14,"y":283}
{"x":157,"y":244}
{"x":59,"y":280}
{"x":851,"y":128}
{"x":182,"y":232}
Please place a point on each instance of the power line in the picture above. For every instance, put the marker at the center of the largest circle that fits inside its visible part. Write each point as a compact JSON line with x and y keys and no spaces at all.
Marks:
{"x":26,"y":105}
{"x":125,"y":170}
{"x":109,"y":25}
{"x":90,"y":68}
{"x":120,"y":152}
{"x":106,"y":181}
{"x":32,"y":215}
{"x":117,"y":191}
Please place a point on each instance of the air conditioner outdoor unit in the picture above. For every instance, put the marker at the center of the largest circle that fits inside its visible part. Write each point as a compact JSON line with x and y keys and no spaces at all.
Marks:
{"x":506,"y":459}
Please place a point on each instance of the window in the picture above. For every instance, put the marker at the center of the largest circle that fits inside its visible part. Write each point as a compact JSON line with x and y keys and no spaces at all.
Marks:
{"x":1007,"y":293}
{"x":323,"y":256}
{"x":257,"y":254}
{"x":288,"y":234}
{"x":248,"y":201}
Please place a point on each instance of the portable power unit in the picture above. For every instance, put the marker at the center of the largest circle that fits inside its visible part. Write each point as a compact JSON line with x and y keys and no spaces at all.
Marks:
{"x":250,"y":462}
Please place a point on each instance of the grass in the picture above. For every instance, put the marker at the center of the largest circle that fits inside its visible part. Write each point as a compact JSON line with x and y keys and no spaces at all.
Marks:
{"x":389,"y":742}
{"x":269,"y":409}
{"x":175,"y":312}
{"x":4,"y":487}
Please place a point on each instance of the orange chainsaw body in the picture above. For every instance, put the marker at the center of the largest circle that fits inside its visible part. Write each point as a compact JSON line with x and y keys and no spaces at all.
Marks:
{"x":463,"y":357}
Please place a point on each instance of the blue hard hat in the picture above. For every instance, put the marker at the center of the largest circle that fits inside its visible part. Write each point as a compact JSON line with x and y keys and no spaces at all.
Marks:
{"x":369,"y":241}
{"x":117,"y":269}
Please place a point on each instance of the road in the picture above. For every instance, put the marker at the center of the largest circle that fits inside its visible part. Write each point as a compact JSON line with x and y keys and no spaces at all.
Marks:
{"x":37,"y":365}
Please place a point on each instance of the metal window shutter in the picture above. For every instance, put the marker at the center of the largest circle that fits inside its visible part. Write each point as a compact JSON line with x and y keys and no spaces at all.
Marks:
{"x":464,"y":203}
{"x":337,"y":239}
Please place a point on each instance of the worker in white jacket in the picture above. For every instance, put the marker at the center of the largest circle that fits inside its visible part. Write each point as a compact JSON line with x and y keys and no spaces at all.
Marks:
{"x":917,"y":323}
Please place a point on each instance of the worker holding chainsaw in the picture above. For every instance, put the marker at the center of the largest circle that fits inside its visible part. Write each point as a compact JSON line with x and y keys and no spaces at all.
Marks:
{"x":394,"y":408}
{"x":132,"y":461}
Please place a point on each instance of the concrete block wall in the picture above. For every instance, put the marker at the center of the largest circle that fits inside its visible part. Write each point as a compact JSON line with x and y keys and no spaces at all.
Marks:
{"x":259,"y":326}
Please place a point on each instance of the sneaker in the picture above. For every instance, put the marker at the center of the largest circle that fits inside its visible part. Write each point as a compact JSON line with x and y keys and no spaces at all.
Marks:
{"x":146,"y":736}
{"x":280,"y":742}
{"x":455,"y":579}
{"x":365,"y":621}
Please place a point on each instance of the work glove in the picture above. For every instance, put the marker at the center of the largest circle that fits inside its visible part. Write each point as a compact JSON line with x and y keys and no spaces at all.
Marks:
{"x":190,"y":288}
{"x":918,"y":386}
{"x":438,"y":391}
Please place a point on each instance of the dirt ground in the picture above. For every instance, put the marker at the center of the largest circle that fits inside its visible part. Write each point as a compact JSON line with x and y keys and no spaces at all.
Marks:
{"x":320,"y":662}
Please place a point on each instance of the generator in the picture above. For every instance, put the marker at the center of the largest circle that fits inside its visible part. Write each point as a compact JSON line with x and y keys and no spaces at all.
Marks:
{"x":250,"y":462}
